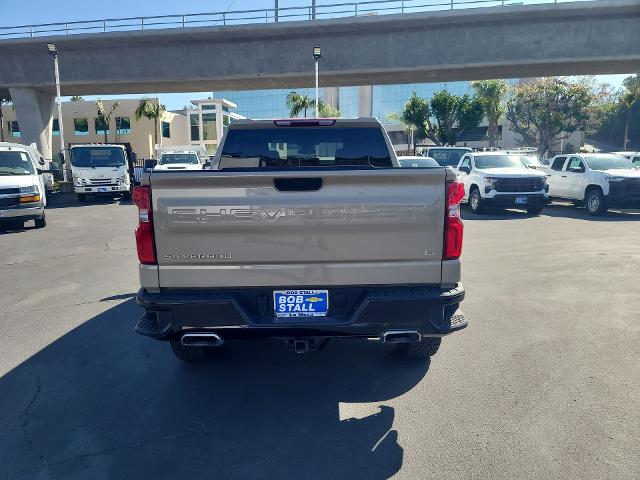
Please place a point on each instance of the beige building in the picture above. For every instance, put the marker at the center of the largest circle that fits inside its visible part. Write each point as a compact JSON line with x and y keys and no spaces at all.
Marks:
{"x":208,"y":120}
{"x":197,"y":125}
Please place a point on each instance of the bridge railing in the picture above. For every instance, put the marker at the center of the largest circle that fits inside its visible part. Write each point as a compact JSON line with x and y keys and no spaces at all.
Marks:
{"x":261,"y":16}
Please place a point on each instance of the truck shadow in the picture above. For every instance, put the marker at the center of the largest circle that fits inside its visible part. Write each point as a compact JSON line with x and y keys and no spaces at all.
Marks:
{"x":552,"y":210}
{"x":102,"y":402}
{"x":570,"y":211}
{"x":494,"y":214}
{"x":67,"y":200}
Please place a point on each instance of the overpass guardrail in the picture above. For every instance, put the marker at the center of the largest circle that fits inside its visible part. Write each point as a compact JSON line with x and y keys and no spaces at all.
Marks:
{"x":257,"y":16}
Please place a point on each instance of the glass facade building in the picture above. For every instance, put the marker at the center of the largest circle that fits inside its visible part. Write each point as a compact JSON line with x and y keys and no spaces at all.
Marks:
{"x":386,"y":99}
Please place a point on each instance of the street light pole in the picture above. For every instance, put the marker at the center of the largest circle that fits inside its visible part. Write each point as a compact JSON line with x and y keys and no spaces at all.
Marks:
{"x":54,"y":53}
{"x":316,"y":56}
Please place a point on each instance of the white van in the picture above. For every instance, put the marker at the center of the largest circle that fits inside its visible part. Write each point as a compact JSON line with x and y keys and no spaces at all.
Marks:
{"x":100,"y":169}
{"x":23,"y":192}
{"x":181,"y":158}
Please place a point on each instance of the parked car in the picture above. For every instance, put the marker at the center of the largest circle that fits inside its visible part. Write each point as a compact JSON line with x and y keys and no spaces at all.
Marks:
{"x":497,"y":179}
{"x":181,"y":158}
{"x":100,"y":169}
{"x":446,"y":156}
{"x":417,"y":162}
{"x":597,"y":180}
{"x":23,"y":192}
{"x":304,"y":230}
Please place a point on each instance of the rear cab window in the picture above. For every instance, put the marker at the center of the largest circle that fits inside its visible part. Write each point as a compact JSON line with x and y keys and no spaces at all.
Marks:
{"x":446,"y":157}
{"x":269,"y":146}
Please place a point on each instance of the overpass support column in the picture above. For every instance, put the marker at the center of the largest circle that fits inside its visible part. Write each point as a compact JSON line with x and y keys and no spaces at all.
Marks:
{"x":332,"y":96}
{"x":365,"y":101}
{"x":34,"y":111}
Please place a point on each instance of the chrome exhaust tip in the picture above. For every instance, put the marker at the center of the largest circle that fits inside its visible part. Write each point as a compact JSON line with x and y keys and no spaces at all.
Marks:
{"x":201,"y":340}
{"x":401,"y":336}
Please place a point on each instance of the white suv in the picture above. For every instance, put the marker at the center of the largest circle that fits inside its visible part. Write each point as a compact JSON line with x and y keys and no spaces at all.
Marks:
{"x":499,"y":179}
{"x":597,"y":180}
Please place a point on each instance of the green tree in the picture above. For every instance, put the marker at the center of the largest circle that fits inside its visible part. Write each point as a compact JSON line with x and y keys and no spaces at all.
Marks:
{"x":77,"y":98}
{"x":151,"y":110}
{"x":451,"y":111}
{"x":327,"y":110}
{"x":297,"y":103}
{"x":469,"y":114}
{"x":629,"y":97}
{"x":491,"y":94}
{"x":415,"y":116}
{"x":541,"y":111}
{"x":104,"y":116}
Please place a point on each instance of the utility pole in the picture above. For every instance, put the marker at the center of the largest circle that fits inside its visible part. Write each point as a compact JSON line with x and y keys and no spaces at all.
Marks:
{"x":53,"y":51}
{"x":316,"y":56}
{"x":313,"y":9}
{"x":275,"y":8}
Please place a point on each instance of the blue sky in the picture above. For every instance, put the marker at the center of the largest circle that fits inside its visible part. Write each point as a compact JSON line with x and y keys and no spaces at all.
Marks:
{"x":22,"y":12}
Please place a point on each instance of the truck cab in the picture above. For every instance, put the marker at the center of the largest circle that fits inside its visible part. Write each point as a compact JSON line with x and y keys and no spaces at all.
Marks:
{"x":23,"y":186}
{"x":101,"y":170}
{"x":446,"y":156}
{"x":597,"y":180}
{"x":500,"y":179}
{"x":181,"y":158}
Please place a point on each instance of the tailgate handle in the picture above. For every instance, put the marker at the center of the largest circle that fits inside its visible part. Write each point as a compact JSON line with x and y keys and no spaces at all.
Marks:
{"x":297,"y":184}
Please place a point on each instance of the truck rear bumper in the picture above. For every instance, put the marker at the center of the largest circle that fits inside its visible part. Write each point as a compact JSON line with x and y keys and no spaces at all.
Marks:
{"x":366,"y":311}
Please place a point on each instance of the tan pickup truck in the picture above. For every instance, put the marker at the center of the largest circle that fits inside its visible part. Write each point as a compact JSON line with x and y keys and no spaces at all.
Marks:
{"x":304,"y":230}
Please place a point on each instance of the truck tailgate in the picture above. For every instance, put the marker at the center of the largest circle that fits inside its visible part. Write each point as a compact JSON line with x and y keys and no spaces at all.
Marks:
{"x":298,"y":228}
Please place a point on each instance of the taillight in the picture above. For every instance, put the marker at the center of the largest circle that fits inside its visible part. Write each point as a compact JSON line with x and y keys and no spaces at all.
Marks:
{"x":453,"y":227}
{"x":145,"y":241}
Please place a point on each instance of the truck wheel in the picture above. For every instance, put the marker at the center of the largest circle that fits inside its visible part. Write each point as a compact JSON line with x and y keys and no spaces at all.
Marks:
{"x":475,"y":201}
{"x":595,"y":202}
{"x":126,"y":195}
{"x":82,"y":198}
{"x":41,"y":222}
{"x":190,"y":354}
{"x":534,"y":210}
{"x":425,"y":348}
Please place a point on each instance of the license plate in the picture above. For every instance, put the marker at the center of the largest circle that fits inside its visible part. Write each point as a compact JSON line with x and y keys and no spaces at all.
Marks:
{"x":102,"y":189}
{"x":521,"y":200}
{"x":301,"y":303}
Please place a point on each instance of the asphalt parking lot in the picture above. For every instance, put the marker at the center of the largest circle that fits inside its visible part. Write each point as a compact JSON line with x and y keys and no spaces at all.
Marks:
{"x":543,"y":383}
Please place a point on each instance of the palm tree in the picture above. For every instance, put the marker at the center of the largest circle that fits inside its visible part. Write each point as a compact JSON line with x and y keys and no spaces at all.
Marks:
{"x":297,"y":103}
{"x":491,"y":95}
{"x":629,"y":98}
{"x":150,"y":110}
{"x":104,"y":117}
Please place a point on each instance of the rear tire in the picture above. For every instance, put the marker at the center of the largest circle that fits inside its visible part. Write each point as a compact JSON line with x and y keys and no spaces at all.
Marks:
{"x":41,"y":222}
{"x":82,"y":198}
{"x":475,"y":202}
{"x":595,"y":202}
{"x":191,"y":354}
{"x":425,"y":348}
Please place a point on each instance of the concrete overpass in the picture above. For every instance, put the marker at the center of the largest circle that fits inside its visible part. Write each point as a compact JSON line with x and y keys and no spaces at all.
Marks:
{"x":598,"y":37}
